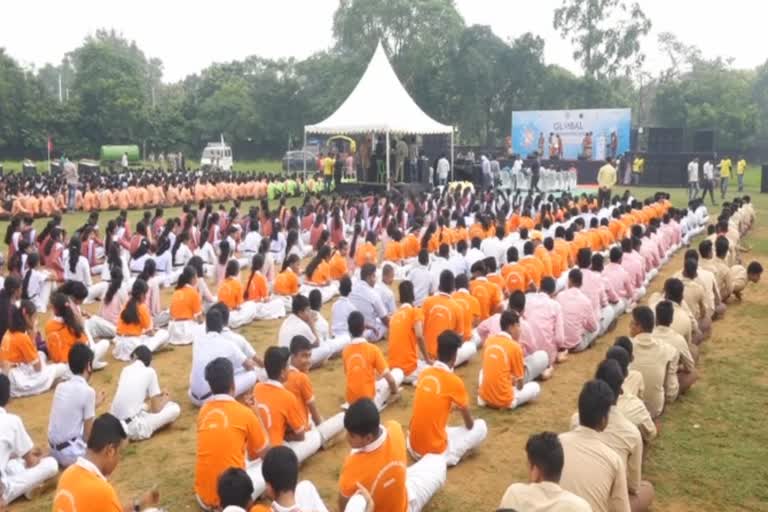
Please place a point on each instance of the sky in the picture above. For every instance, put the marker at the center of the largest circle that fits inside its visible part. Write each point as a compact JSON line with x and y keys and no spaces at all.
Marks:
{"x":189,"y":36}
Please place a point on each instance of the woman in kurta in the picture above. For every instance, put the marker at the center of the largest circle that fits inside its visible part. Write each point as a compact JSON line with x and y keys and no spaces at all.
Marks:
{"x":36,"y":284}
{"x":232,"y":294}
{"x":53,"y":254}
{"x":19,"y":359}
{"x":186,"y":308}
{"x":134,"y":325}
{"x":65,"y":329}
{"x":257,"y":291}
{"x":318,"y":275}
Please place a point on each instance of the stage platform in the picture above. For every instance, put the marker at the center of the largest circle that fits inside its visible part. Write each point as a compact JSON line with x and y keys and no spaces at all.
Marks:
{"x":372,"y":187}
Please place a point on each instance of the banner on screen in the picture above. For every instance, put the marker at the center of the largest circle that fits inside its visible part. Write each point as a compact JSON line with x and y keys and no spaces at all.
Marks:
{"x":591,"y":134}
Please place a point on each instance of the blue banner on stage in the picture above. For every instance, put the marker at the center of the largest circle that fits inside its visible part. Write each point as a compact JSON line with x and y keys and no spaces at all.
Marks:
{"x":590,"y":134}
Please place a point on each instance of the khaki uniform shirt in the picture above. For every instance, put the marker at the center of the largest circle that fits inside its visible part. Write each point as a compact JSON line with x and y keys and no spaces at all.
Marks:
{"x":635,"y":411}
{"x":651,"y":359}
{"x":695,"y":297}
{"x":721,"y":273}
{"x":683,"y":322}
{"x":542,"y":497}
{"x":633,"y":384}
{"x":594,"y":471}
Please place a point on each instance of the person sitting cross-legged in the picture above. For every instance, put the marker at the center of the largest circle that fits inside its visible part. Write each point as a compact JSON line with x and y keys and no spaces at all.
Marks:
{"x":438,"y":392}
{"x":543,"y":492}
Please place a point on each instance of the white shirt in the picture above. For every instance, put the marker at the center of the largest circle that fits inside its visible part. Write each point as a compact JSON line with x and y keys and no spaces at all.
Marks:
{"x":183,"y":255}
{"x":339,"y":315}
{"x":693,"y":172}
{"x":492,"y":247}
{"x":35,"y":286}
{"x":74,"y":402}
{"x":239,"y":342}
{"x":14,"y":439}
{"x":709,"y":170}
{"x":436,"y":268}
{"x":368,"y":302}
{"x":294,"y":326}
{"x":458,"y":264}
{"x":204,"y":350}
{"x":443,"y":168}
{"x":82,"y":271}
{"x":251,"y":242}
{"x":137,"y":384}
{"x":387,"y":297}
{"x":322,"y":328}
{"x":163,"y":263}
{"x":423,"y":285}
{"x":473,"y":256}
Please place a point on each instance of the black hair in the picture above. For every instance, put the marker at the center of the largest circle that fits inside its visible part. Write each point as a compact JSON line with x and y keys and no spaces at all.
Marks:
{"x":705,"y":248}
{"x":220,"y":376}
{"x":722,"y":246}
{"x":115,"y":283}
{"x":516,"y":301}
{"x":610,"y":372}
{"x":233,"y":269}
{"x":621,"y":356}
{"x":80,"y":358}
{"x":149,"y":270}
{"x":576,"y":277}
{"x":643,"y":317}
{"x":405,"y":289}
{"x":130,"y":314}
{"x":214,"y":321}
{"x":289,"y":261}
{"x":187,"y":275}
{"x":674,"y":290}
{"x":367,"y":270}
{"x":447,"y":284}
{"x":546,"y":453}
{"x":508,"y":318}
{"x":362,"y":418}
{"x":322,"y":254}
{"x":75,"y":247}
{"x":5,"y":390}
{"x":595,"y":401}
{"x":33,"y":260}
{"x":548,"y":285}
{"x":280,"y":469}
{"x":423,"y":257}
{"x":224,"y":251}
{"x":234,"y":488}
{"x":448,"y":343}
{"x":584,"y":257}
{"x":345,"y":286}
{"x":299,"y":303}
{"x":106,"y":431}
{"x":356,"y":324}
{"x":275,"y":361}
{"x":143,"y":354}
{"x":62,"y":309}
{"x":315,"y":299}
{"x":300,"y":344}
{"x":754,"y":267}
{"x":665,"y":313}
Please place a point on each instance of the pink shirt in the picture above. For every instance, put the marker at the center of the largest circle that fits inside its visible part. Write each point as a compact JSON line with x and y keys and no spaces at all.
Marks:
{"x":634,"y":265}
{"x":490,"y":326}
{"x":619,"y":279}
{"x":649,"y":252}
{"x":592,"y":286}
{"x":578,"y":316}
{"x":610,"y":292}
{"x":110,"y":312}
{"x":546,"y":318}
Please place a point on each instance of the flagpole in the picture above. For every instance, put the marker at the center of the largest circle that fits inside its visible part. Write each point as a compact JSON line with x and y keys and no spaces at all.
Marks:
{"x":48,"y":147}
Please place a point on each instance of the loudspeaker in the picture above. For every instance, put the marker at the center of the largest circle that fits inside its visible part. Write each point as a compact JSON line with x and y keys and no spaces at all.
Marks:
{"x":704,"y":141}
{"x":764,"y":180}
{"x":665,"y":140}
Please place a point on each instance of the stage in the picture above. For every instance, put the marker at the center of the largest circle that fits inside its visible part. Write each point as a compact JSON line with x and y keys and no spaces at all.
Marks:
{"x":373,"y":187}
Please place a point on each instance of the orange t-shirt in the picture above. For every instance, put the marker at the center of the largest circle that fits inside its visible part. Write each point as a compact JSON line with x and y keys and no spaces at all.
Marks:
{"x":515,"y":282}
{"x":437,"y":392}
{"x":226,"y":430}
{"x":258,"y":289}
{"x":402,"y":349}
{"x":366,"y":253}
{"x":185,"y":303}
{"x":618,"y":229}
{"x":279,"y":410}
{"x":393,"y":251}
{"x":82,"y":490}
{"x":231,"y":292}
{"x":287,"y":283}
{"x":535,"y":269}
{"x":322,"y":274}
{"x":563,"y":248}
{"x":470,"y":310}
{"x":496,"y":279}
{"x":542,"y":254}
{"x":520,"y":269}
{"x":441,"y":313}
{"x":145,"y":322}
{"x":411,"y":246}
{"x":381,"y":471}
{"x":18,"y":348}
{"x":60,"y":339}
{"x":363,"y":362}
{"x":338,"y":266}
{"x":487,"y":294}
{"x":299,"y":383}
{"x":502,"y":362}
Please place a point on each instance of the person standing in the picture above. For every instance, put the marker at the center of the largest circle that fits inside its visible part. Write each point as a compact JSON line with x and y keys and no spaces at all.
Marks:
{"x":708,"y":184}
{"x":535,"y":173}
{"x":72,"y":179}
{"x":693,"y":179}
{"x":413,"y":158}
{"x":328,"y":164}
{"x":443,"y":169}
{"x":401,"y":150}
{"x":485,"y":167}
{"x":606,"y":179}
{"x":614,"y":144}
{"x":638,"y":166}
{"x":725,"y":175}
{"x":741,"y":167}
{"x":124,"y":162}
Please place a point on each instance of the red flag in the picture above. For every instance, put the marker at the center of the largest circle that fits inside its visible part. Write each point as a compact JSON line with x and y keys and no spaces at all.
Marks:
{"x":50,"y":144}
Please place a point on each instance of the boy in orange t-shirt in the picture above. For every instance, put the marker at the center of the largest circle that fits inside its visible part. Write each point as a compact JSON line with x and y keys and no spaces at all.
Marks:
{"x":438,"y":392}
{"x":378,"y":462}
{"x":406,"y":336}
{"x":367,"y":374}
{"x":441,"y":312}
{"x":502,"y":378}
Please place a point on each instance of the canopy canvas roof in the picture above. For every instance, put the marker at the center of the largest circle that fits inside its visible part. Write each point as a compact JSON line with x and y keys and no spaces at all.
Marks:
{"x":379,"y":104}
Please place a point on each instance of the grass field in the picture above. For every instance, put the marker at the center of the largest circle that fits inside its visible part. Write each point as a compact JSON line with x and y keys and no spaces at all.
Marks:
{"x":261,"y":165}
{"x":710,"y":455}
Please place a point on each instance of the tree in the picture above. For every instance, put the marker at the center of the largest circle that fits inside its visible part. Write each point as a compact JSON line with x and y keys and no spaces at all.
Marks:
{"x":606,"y":34}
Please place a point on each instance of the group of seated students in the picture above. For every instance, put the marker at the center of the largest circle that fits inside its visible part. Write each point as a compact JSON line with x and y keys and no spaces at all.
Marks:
{"x":461,"y":291}
{"x":46,"y":194}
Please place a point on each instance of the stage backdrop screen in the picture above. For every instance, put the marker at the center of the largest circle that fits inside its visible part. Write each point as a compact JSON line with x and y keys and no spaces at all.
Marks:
{"x":537,"y":130}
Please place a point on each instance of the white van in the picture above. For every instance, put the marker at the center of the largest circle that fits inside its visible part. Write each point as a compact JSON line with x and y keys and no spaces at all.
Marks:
{"x":217,"y":155}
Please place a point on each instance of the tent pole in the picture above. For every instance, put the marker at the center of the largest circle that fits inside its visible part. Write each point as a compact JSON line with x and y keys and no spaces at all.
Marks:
{"x":387,"y":160}
{"x":452,"y":171}
{"x":304,"y":156}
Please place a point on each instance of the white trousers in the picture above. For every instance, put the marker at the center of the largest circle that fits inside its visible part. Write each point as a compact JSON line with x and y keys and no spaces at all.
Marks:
{"x":100,"y":349}
{"x":244,"y":382}
{"x":530,"y":392}
{"x":26,"y":381}
{"x":270,"y":310}
{"x":413,"y":377}
{"x":69,"y":454}
{"x":97,"y":328}
{"x":466,"y":351}
{"x":607,"y":316}
{"x":535,"y":364}
{"x":162,"y":319}
{"x":183,"y":332}
{"x":331,"y":427}
{"x":243,"y":315}
{"x":311,"y":444}
{"x":460,"y":441}
{"x":327,"y":292}
{"x":145,"y":424}
{"x":125,"y":345}
{"x":424,"y":479}
{"x":19,"y":480}
{"x":42,"y":299}
{"x":382,"y":388}
{"x":96,"y":292}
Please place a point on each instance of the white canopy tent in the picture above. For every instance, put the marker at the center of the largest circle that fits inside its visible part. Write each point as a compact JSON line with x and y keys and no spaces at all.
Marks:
{"x":380,"y":104}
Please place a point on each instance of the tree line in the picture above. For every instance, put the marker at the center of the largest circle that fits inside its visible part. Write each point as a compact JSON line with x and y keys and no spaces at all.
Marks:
{"x":108,"y":91}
